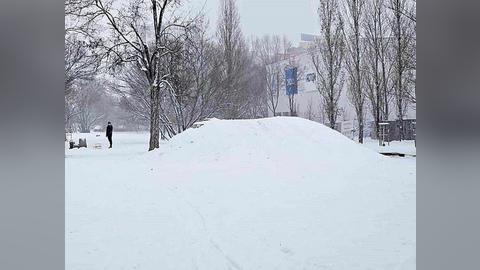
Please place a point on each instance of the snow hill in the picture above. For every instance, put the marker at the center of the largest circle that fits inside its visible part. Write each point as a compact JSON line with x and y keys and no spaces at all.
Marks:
{"x":287,"y":140}
{"x":276,"y":193}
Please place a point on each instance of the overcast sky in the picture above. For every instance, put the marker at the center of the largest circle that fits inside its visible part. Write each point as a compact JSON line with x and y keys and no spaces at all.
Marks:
{"x":259,"y":17}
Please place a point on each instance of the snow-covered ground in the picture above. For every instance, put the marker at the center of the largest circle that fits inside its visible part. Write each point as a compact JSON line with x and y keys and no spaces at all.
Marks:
{"x":276,"y":193}
{"x":403,"y":147}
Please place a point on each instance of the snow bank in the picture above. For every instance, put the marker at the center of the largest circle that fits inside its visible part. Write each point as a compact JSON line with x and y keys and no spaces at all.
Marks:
{"x":277,"y":193}
{"x":288,"y":140}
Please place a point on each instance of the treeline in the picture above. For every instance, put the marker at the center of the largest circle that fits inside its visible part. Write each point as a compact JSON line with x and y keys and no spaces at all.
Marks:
{"x":369,"y":45}
{"x":165,"y":71}
{"x":366,"y":48}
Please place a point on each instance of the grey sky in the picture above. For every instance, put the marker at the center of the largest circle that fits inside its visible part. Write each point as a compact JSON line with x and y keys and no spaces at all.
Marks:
{"x":259,"y":17}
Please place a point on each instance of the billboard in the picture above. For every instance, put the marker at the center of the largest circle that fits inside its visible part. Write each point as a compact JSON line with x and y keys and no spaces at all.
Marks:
{"x":291,"y":81}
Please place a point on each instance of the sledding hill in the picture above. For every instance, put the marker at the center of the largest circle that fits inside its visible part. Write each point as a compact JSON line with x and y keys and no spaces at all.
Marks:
{"x":284,"y":139}
{"x":277,"y":193}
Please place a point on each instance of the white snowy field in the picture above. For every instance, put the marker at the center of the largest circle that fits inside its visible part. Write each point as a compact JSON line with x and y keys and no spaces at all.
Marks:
{"x":276,"y":193}
{"x":403,"y":147}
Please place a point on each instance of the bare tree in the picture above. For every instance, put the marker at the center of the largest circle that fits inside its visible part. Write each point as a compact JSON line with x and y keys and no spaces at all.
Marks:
{"x":412,"y":53}
{"x":202,"y":67}
{"x":410,"y":13}
{"x":328,"y":58}
{"x":81,"y":57}
{"x":385,"y":59}
{"x":270,"y":51}
{"x":292,"y":105}
{"x":193,"y":68}
{"x":257,"y":104}
{"x":142,"y":31}
{"x":376,"y":76}
{"x":194,"y":72}
{"x":310,"y":113}
{"x":81,"y":18}
{"x":71,"y":111}
{"x":353,"y":35}
{"x":81,"y":62}
{"x":233,"y":50}
{"x":89,"y":113}
{"x":132,"y":88}
{"x":402,"y":33}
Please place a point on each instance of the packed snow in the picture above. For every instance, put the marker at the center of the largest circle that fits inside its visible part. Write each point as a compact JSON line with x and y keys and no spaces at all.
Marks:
{"x":406,"y":147}
{"x":275,"y":193}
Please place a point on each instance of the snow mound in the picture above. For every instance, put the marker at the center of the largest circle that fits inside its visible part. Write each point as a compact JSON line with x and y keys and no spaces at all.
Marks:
{"x":278,"y":193}
{"x":288,"y":139}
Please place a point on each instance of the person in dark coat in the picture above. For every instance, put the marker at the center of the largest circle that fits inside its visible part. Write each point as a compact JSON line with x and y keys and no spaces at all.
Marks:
{"x":109,"y":133}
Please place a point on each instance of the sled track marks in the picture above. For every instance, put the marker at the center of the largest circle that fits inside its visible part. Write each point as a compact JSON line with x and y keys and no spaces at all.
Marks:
{"x":230,"y":262}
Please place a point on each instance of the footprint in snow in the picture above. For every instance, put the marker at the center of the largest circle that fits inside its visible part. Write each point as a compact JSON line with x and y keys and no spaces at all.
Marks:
{"x":286,"y":251}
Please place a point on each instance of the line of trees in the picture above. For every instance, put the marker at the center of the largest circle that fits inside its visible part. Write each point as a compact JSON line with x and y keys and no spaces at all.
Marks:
{"x":370,"y":45}
{"x":163,"y":70}
{"x":366,"y":48}
{"x":161,"y":67}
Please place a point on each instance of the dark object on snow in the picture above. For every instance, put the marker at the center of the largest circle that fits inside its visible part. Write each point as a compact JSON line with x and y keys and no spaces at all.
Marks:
{"x":81,"y":143}
{"x":109,"y":133}
{"x":395,"y":154}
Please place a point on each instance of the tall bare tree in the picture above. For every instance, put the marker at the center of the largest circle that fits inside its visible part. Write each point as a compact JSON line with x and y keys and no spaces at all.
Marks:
{"x":193,"y":69}
{"x":81,"y":62}
{"x":376,"y":77}
{"x":271,"y":50}
{"x":142,"y":31}
{"x":233,"y":50}
{"x":89,"y":111}
{"x":82,"y":58}
{"x":194,"y":72}
{"x":403,"y":34}
{"x":328,"y":58}
{"x":354,"y":12}
{"x":412,"y":53}
{"x":385,"y":59}
{"x":255,"y":85}
{"x":132,"y":88}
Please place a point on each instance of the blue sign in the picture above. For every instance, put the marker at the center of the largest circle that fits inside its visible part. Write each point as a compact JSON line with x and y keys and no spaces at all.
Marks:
{"x":291,"y":81}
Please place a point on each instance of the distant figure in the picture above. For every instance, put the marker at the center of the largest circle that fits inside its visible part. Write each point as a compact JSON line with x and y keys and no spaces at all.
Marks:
{"x":109,"y":133}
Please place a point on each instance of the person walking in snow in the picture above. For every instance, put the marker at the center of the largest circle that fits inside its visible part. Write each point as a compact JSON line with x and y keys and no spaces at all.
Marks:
{"x":109,"y":133}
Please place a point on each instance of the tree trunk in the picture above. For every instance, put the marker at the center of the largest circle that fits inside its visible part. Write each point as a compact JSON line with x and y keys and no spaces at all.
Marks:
{"x":360,"y":129}
{"x":331,"y":116}
{"x":154,"y":118}
{"x":400,"y":68}
{"x":385,"y":91}
{"x":377,"y":117}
